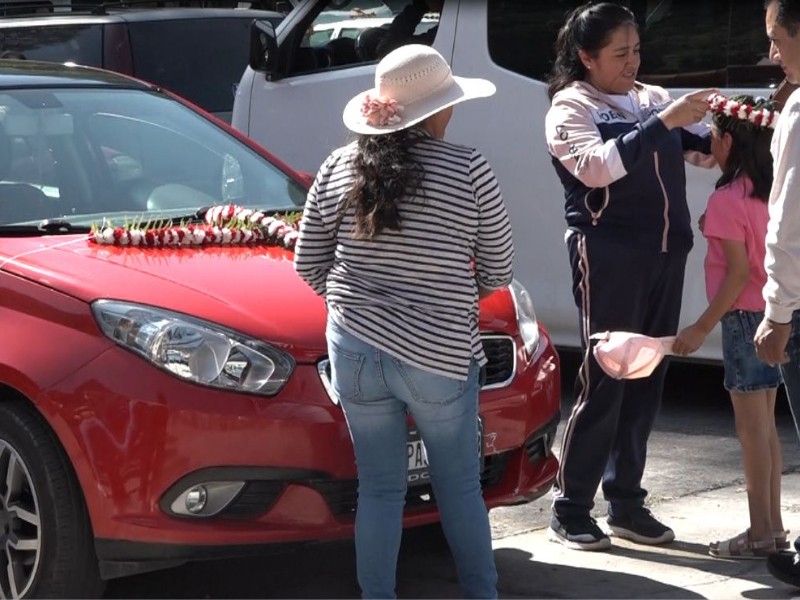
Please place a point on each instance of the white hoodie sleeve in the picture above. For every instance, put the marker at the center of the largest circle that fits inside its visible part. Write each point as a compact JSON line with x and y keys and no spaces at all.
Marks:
{"x":782,"y":290}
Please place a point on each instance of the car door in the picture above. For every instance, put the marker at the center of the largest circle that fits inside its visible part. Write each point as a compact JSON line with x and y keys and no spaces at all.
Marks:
{"x":298,"y":115}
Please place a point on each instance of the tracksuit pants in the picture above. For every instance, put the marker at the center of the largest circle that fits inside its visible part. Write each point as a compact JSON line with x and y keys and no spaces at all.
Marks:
{"x":617,"y":287}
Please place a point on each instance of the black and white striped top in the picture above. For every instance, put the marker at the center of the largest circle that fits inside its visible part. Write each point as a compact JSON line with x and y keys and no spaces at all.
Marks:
{"x":412,"y":292}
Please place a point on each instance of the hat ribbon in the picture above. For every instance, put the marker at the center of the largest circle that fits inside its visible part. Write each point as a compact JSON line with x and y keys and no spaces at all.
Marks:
{"x":381,"y":111}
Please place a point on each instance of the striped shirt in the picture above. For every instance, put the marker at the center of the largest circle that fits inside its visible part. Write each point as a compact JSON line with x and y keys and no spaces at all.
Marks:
{"x":413,"y":292}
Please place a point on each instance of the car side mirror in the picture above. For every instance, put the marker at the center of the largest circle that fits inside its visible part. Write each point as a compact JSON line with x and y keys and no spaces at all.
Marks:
{"x":263,"y":48}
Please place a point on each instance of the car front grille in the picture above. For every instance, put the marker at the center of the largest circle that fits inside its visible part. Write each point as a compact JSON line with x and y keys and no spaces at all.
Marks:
{"x":539,"y":444}
{"x":501,"y":357}
{"x":342,"y":495}
{"x":256,"y":498}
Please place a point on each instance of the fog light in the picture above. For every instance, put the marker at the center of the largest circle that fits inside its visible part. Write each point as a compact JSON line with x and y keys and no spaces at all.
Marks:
{"x":196,"y":499}
{"x":205,"y":499}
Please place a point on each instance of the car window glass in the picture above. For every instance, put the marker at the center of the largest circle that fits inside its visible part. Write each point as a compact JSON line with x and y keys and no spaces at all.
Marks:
{"x":684,"y":44}
{"x":88,"y":153}
{"x":81,"y":44}
{"x":517,"y":24}
{"x":199,"y":59}
{"x":353,"y":32}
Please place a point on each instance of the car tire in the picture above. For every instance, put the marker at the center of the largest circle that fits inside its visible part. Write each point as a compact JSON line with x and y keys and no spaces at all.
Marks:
{"x":44,"y":527}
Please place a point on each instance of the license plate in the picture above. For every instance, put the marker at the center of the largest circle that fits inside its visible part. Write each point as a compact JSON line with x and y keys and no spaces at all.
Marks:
{"x":418,"y":473}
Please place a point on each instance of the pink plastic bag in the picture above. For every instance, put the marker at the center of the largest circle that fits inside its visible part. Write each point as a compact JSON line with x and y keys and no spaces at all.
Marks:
{"x":625,"y":355}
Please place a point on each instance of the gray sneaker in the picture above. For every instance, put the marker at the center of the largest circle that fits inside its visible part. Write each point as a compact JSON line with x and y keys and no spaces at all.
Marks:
{"x":581,"y":533}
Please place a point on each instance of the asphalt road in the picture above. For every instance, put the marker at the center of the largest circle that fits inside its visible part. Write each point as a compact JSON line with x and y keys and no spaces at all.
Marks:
{"x":692,"y":450}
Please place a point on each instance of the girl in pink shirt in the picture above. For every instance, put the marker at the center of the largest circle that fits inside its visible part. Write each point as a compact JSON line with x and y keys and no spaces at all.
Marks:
{"x":735,"y":227}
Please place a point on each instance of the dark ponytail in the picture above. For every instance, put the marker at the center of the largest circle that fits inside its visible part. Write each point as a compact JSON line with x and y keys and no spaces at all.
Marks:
{"x":587,"y":28}
{"x":384,"y":172}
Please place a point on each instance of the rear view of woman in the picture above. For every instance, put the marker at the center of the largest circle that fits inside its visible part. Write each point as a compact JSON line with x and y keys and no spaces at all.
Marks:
{"x":401,"y":233}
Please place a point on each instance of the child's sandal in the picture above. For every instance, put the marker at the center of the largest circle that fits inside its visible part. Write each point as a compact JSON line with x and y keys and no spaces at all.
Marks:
{"x":782,"y":540}
{"x":742,"y":547}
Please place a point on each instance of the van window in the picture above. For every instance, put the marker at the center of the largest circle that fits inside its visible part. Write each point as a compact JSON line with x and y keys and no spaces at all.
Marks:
{"x":522,"y":33}
{"x":353,"y":32}
{"x":199,"y":59}
{"x":684,"y":44}
{"x":81,"y":44}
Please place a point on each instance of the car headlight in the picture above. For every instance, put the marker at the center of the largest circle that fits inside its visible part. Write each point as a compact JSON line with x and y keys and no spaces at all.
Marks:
{"x":526,"y":316}
{"x":193,"y":349}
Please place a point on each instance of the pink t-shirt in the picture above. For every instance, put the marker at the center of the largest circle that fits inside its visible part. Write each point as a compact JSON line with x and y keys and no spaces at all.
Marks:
{"x":732,"y":214}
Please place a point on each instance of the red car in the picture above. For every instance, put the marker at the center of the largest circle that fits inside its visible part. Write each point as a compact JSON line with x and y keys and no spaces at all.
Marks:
{"x":163,"y":371}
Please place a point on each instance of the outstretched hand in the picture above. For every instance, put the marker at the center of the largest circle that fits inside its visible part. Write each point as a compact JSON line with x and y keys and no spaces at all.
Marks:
{"x":689,"y":340}
{"x":689,"y":108}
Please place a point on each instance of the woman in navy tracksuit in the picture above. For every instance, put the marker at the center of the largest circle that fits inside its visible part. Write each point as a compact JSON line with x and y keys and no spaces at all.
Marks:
{"x":618,"y":147}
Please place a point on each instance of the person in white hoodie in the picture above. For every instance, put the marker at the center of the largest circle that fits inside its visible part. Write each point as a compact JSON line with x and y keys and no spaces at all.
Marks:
{"x":777,"y":339}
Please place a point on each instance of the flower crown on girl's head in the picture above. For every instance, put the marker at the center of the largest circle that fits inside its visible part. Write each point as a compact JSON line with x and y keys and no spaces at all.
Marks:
{"x":760,"y":117}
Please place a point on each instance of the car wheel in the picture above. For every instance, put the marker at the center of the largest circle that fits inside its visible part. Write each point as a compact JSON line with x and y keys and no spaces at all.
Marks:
{"x":46,"y":542}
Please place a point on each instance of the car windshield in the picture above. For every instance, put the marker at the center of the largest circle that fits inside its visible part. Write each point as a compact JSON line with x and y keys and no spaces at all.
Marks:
{"x":88,"y":154}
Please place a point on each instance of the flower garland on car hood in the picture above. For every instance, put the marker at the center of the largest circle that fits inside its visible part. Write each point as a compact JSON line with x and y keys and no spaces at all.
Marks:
{"x":227,"y":225}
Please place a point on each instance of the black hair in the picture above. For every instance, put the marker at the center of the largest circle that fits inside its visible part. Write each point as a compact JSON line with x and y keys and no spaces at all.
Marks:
{"x":750,"y":152}
{"x":788,"y":15}
{"x":384,"y":172}
{"x":587,"y":28}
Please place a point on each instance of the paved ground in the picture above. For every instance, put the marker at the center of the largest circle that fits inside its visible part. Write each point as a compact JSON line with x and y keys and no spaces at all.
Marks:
{"x":529,"y":565}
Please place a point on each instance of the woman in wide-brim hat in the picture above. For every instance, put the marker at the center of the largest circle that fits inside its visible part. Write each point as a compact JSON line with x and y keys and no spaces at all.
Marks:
{"x":401,"y":233}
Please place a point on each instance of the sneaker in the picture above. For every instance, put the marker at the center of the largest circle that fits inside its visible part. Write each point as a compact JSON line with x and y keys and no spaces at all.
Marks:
{"x":640,"y":527}
{"x":580,"y":533}
{"x":785,"y":566}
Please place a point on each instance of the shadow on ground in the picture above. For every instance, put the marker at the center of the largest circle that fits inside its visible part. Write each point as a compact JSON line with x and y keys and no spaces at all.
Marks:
{"x":425,"y":570}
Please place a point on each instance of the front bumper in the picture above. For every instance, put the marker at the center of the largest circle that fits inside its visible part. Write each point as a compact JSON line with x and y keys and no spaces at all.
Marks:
{"x":138,"y":437}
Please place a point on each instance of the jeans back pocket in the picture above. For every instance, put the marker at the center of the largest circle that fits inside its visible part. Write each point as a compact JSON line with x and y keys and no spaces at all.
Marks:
{"x":430,"y":388}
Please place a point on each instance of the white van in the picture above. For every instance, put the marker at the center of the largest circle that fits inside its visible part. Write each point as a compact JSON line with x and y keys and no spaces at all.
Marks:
{"x":291,"y":97}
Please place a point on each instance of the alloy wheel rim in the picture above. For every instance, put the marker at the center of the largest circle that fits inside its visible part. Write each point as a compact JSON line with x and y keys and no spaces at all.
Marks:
{"x":20,"y":525}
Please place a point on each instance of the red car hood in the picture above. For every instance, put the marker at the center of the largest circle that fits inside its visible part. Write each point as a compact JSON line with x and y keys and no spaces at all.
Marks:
{"x":253,"y":290}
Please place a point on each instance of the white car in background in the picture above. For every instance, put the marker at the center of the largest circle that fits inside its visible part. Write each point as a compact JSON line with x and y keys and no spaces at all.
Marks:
{"x":289,"y":95}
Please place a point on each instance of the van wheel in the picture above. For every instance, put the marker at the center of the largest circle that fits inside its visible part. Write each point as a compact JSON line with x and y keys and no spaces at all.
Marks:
{"x":46,"y":542}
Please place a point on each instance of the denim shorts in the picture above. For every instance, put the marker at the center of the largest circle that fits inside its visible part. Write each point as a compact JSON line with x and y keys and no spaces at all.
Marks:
{"x":744,"y":372}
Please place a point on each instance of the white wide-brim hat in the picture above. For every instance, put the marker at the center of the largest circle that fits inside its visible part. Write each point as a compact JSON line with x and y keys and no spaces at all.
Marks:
{"x":413,"y":82}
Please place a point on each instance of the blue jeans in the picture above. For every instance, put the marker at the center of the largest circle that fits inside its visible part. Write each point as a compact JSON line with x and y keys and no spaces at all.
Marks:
{"x":744,"y":372}
{"x":377,"y":391}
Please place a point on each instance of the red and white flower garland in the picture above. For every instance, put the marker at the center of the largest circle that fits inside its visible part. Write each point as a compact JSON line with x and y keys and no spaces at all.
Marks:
{"x":224,"y":226}
{"x":760,"y":117}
